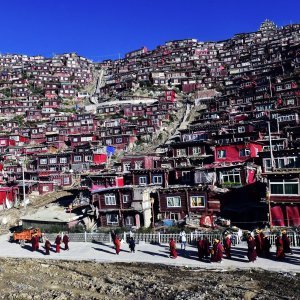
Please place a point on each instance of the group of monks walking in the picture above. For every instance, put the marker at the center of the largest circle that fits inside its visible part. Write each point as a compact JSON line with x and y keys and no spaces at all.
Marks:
{"x":36,"y":239}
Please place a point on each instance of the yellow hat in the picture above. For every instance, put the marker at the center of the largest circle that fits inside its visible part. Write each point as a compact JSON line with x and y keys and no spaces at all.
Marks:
{"x":216,"y":241}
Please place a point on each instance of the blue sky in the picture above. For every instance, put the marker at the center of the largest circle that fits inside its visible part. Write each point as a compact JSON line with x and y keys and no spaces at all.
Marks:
{"x":101,"y":29}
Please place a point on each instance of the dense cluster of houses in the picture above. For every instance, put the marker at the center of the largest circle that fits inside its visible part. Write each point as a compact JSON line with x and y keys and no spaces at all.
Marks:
{"x":238,"y":157}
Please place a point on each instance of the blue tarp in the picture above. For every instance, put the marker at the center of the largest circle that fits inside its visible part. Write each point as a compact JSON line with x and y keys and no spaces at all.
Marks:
{"x":110,"y":150}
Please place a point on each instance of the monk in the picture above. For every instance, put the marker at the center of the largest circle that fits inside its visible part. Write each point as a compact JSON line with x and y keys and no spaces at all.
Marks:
{"x":173,"y":252}
{"x":217,"y":251}
{"x":200,"y":246}
{"x":266,"y":247}
{"x":206,"y":245}
{"x":66,"y":241}
{"x":251,"y":249}
{"x":33,"y":243}
{"x":279,"y":248}
{"x":117,"y":243}
{"x":227,"y":246}
{"x":47,"y":247}
{"x":37,"y":242}
{"x":286,"y":243}
{"x":57,"y":243}
{"x":258,"y":243}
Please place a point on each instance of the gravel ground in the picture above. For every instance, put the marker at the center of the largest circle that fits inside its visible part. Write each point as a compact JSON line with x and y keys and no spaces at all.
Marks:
{"x":93,"y":271}
{"x":59,"y":279}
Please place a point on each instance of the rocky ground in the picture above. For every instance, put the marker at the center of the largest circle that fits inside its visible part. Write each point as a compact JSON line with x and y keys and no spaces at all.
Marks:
{"x":45,"y":279}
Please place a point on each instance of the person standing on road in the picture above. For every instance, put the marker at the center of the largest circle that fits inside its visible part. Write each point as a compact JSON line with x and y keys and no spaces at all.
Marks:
{"x":131,"y":245}
{"x":266,"y":247}
{"x":200,"y":246}
{"x":66,"y":241}
{"x":182,"y":235}
{"x":47,"y":247}
{"x":173,"y":252}
{"x":117,"y":243}
{"x":206,"y":246}
{"x":286,"y":243}
{"x":33,"y":243}
{"x":251,"y":249}
{"x":57,"y":243}
{"x":258,"y":242}
{"x":279,"y":248}
{"x":227,"y":246}
{"x":217,"y":251}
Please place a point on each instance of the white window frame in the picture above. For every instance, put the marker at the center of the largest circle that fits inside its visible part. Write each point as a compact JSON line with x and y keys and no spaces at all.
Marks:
{"x":171,"y":201}
{"x":142,"y":180}
{"x":125,"y":198}
{"x":126,"y":166}
{"x":110,"y":199}
{"x":52,"y":160}
{"x":43,"y":161}
{"x":108,"y":219}
{"x":138,"y":165}
{"x":76,"y":158}
{"x":157,"y":179}
{"x":284,"y":182}
{"x":186,"y":176}
{"x":195,"y":198}
{"x":196,"y":150}
{"x":227,"y":174}
{"x":130,"y":219}
{"x":246,"y":152}
{"x":63,"y":160}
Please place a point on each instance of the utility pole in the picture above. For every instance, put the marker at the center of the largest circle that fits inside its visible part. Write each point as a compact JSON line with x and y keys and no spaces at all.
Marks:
{"x":23,"y":177}
{"x":271,"y":148}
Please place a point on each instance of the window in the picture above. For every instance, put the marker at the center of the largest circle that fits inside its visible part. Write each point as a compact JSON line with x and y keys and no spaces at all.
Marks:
{"x":231,"y":176}
{"x":174,"y":201}
{"x":45,"y":188}
{"x":112,"y":219}
{"x":66,"y":180}
{"x":241,"y":129}
{"x":63,"y":160}
{"x":129,"y":221}
{"x":196,"y":150}
{"x":77,"y":158}
{"x":143,"y":180}
{"x":181,"y":152}
{"x":284,"y":187}
{"x":119,"y":140}
{"x":53,"y":160}
{"x":197,"y":201}
{"x":221,"y":153}
{"x":126,"y":166}
{"x":186,"y":176}
{"x":125,"y":198}
{"x":88,"y":158}
{"x":157,"y":179}
{"x":110,"y":199}
{"x":138,"y":165}
{"x":43,"y":161}
{"x":244,"y":152}
{"x":267,"y":163}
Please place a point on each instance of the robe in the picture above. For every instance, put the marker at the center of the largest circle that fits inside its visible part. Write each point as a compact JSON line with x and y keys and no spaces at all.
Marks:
{"x":33,"y":244}
{"x":173,"y":252}
{"x":217,"y":252}
{"x":251,"y":250}
{"x":286,"y":243}
{"x":258,"y":243}
{"x":47,"y":247}
{"x":66,"y":242}
{"x":200,"y":246}
{"x":57,"y":243}
{"x":117,"y":243}
{"x":279,"y":248}
{"x":206,"y":245}
{"x":227,"y":247}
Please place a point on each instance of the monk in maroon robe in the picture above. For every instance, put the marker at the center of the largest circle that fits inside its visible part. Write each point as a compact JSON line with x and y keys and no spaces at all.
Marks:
{"x":217,"y":251}
{"x":279,"y":248}
{"x":266,"y":247}
{"x":227,"y":246}
{"x":258,"y":243}
{"x":173,"y":252}
{"x":47,"y":247}
{"x":206,"y":245}
{"x":57,"y":243}
{"x":33,"y":243}
{"x":66,"y":241}
{"x":286,"y":243}
{"x":37,"y":242}
{"x":200,"y":246}
{"x":117,"y":243}
{"x":251,"y":249}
